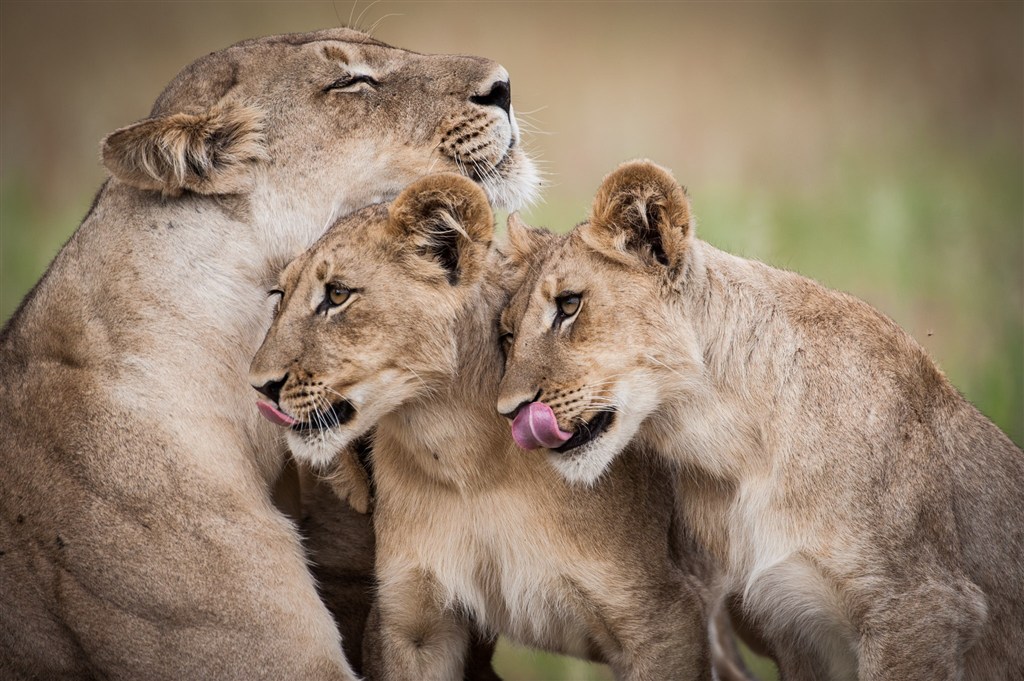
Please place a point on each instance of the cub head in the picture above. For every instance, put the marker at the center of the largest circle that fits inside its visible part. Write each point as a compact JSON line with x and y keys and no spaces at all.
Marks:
{"x":366,"y":318}
{"x":316,"y":125}
{"x":583,"y":334}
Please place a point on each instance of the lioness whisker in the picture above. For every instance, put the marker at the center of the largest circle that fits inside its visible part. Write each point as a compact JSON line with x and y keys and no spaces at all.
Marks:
{"x":359,"y":19}
{"x":377,"y":23}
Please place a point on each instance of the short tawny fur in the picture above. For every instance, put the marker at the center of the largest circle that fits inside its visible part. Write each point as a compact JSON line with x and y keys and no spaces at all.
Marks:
{"x":869,"y":518}
{"x":471,"y":531}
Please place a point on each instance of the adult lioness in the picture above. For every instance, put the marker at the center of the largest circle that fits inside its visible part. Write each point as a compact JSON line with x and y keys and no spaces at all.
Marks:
{"x":870,"y":519}
{"x":389,"y":321}
{"x":137,"y":536}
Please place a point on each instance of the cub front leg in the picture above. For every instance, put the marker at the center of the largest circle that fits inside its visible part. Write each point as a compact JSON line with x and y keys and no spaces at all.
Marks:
{"x":678,"y":646}
{"x":674,"y":644}
{"x":410,"y":636}
{"x":922,"y":632}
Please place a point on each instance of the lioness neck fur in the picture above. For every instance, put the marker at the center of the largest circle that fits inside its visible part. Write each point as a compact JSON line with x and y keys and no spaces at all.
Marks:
{"x":389,"y":322}
{"x":870,"y":518}
{"x":138,"y":536}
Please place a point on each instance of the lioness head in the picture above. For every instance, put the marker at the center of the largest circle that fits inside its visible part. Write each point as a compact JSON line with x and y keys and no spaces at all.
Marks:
{"x":322,"y":123}
{"x":366,"y":316}
{"x":584,"y":332}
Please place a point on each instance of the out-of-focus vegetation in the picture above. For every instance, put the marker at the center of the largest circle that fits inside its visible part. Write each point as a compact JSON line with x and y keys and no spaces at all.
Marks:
{"x":878,"y":148}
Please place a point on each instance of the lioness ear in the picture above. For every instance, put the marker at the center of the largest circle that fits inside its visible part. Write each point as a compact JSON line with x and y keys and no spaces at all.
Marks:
{"x":210,"y":152}
{"x":444,"y":219}
{"x":524,"y":241}
{"x":640,"y":212}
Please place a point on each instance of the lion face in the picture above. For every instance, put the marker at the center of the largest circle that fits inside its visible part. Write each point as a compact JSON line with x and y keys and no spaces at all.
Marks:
{"x":366,"y":317}
{"x":585,"y":333}
{"x":297,"y":121}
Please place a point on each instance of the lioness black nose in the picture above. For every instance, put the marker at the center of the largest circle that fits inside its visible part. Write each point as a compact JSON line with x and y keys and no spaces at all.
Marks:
{"x":500,"y":95}
{"x":272,"y":389}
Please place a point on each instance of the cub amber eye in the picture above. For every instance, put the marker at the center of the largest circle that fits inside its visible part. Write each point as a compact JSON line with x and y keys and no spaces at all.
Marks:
{"x":338,"y":294}
{"x":568,"y":305}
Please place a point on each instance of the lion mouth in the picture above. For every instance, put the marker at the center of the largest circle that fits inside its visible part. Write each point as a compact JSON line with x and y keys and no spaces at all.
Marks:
{"x":588,"y":432}
{"x":339,"y":413}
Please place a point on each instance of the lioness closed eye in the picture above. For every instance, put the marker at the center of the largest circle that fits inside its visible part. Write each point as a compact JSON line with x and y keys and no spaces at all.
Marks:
{"x":870,"y":519}
{"x":389,"y":322}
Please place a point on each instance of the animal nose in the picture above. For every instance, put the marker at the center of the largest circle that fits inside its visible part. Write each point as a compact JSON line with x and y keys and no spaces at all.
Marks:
{"x":272,"y":389}
{"x":500,"y":95}
{"x":519,"y":407}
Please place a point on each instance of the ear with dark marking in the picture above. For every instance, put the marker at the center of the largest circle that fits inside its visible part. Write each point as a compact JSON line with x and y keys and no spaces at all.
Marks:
{"x":445,"y":222}
{"x":525,"y":242}
{"x":209,"y":152}
{"x":640,"y":212}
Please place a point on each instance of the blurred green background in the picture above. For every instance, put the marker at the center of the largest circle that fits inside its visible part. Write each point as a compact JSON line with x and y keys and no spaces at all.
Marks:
{"x":876,"y":147}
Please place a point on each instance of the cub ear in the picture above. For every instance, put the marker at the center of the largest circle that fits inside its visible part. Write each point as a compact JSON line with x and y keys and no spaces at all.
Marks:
{"x":640,"y":212}
{"x":524,"y":241}
{"x":445,"y":220}
{"x":210,"y":152}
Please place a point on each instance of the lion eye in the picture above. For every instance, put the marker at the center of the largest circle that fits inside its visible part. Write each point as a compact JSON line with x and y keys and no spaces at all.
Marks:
{"x":347,"y":82}
{"x":335,"y":295}
{"x":338,"y":294}
{"x":568,"y":304}
{"x":505,"y":340}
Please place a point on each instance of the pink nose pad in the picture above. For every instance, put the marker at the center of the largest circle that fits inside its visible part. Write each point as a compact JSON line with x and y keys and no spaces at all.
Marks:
{"x":274,"y":415}
{"x":536,"y":426}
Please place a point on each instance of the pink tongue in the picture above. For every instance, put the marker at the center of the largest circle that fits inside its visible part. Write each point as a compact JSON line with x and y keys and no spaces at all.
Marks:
{"x":273,"y":414}
{"x":535,"y":426}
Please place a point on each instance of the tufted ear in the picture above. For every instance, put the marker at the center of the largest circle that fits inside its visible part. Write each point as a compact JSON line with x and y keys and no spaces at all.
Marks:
{"x":524,"y":241}
{"x":445,"y":222}
{"x":210,"y":152}
{"x":640,"y":212}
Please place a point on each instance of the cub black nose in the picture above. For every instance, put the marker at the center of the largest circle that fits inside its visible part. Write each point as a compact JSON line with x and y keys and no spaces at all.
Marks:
{"x":272,"y":389}
{"x":499,"y":96}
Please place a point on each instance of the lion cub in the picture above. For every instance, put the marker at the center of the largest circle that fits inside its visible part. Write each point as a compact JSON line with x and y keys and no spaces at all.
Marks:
{"x":390,"y":321}
{"x":870,"y":520}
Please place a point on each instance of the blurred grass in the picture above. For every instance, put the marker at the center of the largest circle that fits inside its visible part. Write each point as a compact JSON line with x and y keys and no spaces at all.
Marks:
{"x":939,"y":251}
{"x":30,"y":237}
{"x":516,"y":663}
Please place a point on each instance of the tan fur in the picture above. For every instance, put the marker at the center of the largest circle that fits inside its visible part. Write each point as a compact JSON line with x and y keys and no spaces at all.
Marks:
{"x":472,"y":533}
{"x":137,"y":532}
{"x":209,"y":153}
{"x":869,"y":518}
{"x":340,"y":543}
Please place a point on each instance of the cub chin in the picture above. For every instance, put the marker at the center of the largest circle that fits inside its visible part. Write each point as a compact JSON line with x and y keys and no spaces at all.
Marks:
{"x":869,"y":518}
{"x":390,"y":323}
